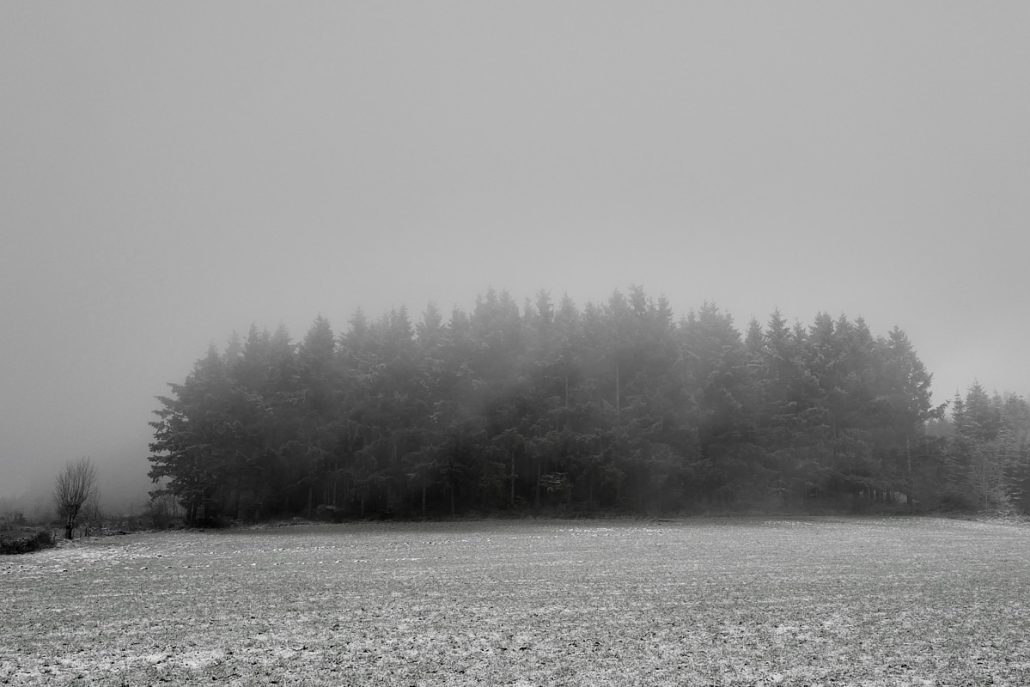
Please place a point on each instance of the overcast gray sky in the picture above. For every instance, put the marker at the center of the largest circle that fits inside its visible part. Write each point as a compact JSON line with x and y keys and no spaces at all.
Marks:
{"x":171,"y":172}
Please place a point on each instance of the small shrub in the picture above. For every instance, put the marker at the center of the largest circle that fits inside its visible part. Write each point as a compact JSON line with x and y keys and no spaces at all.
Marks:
{"x":164,"y":512}
{"x":328,"y":513}
{"x":957,"y":501}
{"x":26,"y":543}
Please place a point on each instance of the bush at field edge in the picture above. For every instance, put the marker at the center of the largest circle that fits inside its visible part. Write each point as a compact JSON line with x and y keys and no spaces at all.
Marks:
{"x":25,"y":542}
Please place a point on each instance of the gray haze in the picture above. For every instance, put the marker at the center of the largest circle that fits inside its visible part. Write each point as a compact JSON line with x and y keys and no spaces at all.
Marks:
{"x":171,"y":172}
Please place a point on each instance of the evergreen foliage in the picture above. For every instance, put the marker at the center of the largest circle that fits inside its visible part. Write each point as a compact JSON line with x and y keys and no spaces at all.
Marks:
{"x":553,"y":408}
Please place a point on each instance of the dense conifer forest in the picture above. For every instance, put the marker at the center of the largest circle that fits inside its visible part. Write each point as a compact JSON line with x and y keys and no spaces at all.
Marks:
{"x":556,"y":409}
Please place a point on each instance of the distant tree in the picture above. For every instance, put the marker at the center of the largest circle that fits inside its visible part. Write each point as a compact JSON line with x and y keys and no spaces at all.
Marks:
{"x":1016,"y":416}
{"x":903,"y":402}
{"x":989,"y":457}
{"x":320,"y":426}
{"x":716,"y":364}
{"x":74,"y":489}
{"x":197,"y":436}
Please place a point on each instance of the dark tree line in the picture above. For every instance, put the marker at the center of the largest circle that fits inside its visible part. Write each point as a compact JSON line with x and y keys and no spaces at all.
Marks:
{"x":553,"y":408}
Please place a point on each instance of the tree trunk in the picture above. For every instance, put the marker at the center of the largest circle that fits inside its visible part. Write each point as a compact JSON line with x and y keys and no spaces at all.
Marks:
{"x":618,"y":391}
{"x":511,"y":495}
{"x":537,"y":498}
{"x":908,"y":463}
{"x":69,"y":524}
{"x":336,"y":484}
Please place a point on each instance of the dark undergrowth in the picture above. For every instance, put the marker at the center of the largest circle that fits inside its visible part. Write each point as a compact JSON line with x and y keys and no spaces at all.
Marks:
{"x":25,"y":540}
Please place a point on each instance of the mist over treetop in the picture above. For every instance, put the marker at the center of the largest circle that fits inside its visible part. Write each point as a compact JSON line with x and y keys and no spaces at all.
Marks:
{"x":553,"y":407}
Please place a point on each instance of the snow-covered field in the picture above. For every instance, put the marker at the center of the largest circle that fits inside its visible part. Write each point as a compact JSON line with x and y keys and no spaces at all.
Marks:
{"x":745,"y":602}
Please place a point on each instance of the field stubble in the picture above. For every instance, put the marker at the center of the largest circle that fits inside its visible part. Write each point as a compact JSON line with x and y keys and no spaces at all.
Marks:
{"x":913,"y":601}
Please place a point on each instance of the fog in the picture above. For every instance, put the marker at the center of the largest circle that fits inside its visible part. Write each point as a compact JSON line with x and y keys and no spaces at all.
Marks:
{"x":172,"y":173}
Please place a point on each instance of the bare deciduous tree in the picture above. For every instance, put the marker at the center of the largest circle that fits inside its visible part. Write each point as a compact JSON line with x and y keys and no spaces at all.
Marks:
{"x":76,"y":485}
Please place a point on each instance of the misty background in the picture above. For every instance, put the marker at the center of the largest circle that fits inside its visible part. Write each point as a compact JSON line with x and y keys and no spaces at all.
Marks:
{"x":172,"y":173}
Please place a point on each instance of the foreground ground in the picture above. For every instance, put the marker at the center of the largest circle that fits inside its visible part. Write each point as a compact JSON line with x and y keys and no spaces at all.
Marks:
{"x":725,"y":602}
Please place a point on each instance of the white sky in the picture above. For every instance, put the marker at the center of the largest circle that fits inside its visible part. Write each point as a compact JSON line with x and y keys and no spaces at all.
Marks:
{"x":171,"y":172}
